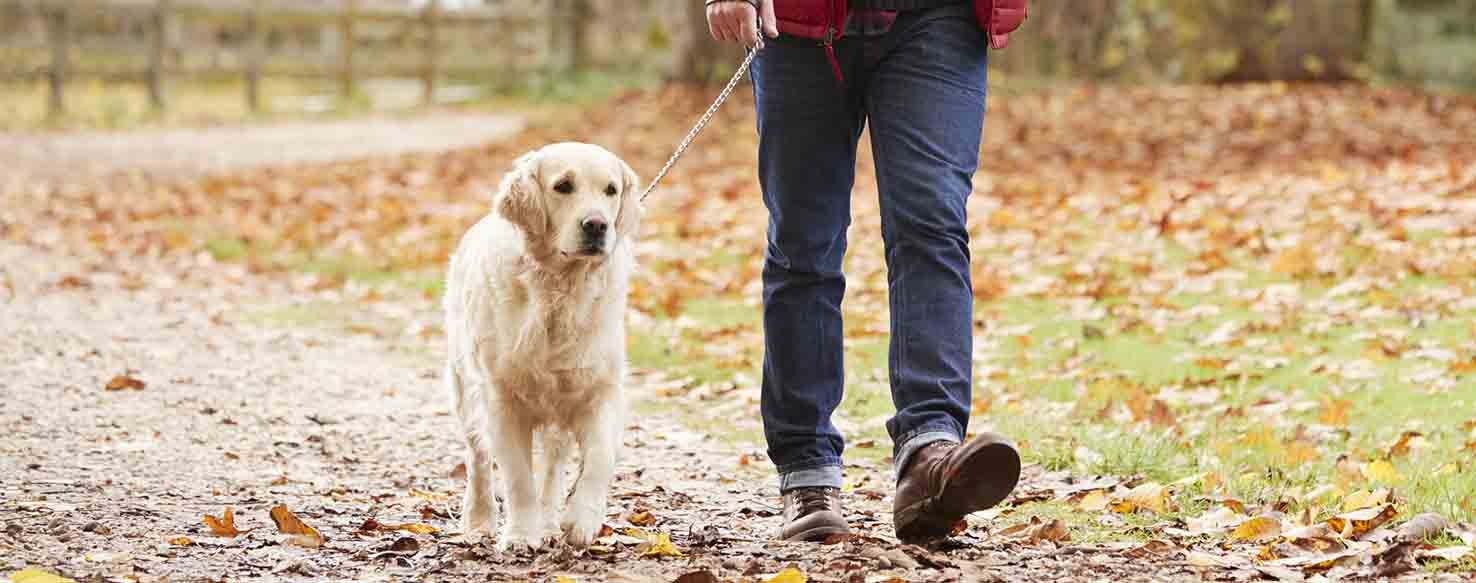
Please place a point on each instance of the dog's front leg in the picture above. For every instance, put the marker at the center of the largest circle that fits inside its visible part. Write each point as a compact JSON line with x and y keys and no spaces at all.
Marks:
{"x":599,"y":441}
{"x":478,"y":506}
{"x":513,"y":449}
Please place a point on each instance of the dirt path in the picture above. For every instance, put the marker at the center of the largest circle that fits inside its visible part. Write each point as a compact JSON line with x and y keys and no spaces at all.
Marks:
{"x":172,"y":151}
{"x":341,"y":429}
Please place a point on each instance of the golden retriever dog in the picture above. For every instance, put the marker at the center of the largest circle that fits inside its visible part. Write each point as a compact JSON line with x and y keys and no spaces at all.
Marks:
{"x":535,"y":324}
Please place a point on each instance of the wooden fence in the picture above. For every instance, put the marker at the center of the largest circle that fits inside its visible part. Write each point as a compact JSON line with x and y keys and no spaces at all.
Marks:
{"x":521,"y":41}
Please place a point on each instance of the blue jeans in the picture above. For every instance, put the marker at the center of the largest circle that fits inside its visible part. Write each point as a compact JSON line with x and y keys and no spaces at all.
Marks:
{"x":921,"y":85}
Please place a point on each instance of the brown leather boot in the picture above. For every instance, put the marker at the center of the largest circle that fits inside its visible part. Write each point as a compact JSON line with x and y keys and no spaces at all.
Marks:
{"x":945,"y":481}
{"x":811,"y":514}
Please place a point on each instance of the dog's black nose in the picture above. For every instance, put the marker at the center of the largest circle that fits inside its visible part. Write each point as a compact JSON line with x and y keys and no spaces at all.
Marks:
{"x":595,"y":227}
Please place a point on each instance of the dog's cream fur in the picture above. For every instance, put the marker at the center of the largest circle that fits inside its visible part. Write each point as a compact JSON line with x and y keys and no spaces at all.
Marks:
{"x":535,"y":323}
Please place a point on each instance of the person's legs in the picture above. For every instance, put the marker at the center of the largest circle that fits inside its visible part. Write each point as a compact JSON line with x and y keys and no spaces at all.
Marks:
{"x":926,"y":104}
{"x":808,"y":127}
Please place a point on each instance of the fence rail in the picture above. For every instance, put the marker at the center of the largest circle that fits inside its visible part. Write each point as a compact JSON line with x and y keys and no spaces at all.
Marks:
{"x":340,"y":26}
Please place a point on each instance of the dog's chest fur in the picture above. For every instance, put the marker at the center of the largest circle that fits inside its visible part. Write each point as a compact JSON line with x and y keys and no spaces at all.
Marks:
{"x":553,"y":361}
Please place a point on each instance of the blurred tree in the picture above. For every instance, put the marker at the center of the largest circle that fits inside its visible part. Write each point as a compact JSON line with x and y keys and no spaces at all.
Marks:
{"x":698,"y":56}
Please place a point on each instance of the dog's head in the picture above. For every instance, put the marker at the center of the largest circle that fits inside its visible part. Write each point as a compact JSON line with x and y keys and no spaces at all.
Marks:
{"x":572,"y":200}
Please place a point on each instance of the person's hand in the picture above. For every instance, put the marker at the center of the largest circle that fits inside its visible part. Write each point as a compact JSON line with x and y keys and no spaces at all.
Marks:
{"x":737,"y":21}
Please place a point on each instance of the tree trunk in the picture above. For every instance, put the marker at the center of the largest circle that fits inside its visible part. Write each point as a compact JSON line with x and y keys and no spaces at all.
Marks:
{"x":698,"y":55}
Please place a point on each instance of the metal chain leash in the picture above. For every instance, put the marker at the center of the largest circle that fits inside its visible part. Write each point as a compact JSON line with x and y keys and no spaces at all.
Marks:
{"x":712,"y":109}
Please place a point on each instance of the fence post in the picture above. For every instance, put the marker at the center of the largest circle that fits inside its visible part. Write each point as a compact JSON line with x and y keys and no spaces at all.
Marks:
{"x":57,"y":32}
{"x":253,"y":56}
{"x":432,"y":50}
{"x":346,"y":51}
{"x":156,"y":55}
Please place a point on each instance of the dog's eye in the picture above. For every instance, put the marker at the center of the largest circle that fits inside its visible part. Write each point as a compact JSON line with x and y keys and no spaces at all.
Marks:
{"x":610,"y":190}
{"x":564,"y":187}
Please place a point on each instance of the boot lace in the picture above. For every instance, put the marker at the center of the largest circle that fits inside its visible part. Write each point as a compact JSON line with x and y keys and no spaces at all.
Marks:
{"x":811,"y":500}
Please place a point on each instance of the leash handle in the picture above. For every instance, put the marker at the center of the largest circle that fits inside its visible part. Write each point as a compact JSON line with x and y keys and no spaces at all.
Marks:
{"x":706,"y":117}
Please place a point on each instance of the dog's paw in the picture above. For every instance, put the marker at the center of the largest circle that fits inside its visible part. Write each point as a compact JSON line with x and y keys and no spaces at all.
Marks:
{"x":581,"y":525}
{"x":519,"y":540}
{"x":477,"y":514}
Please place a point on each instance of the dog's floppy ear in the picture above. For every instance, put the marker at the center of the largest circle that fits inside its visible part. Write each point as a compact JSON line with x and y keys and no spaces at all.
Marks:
{"x":628,"y":222}
{"x":520,"y":199}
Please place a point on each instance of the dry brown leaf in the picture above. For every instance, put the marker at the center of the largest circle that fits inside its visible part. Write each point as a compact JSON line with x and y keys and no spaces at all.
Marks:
{"x":301,"y":534}
{"x":223,"y":526}
{"x":1407,"y":440}
{"x":125,"y":381}
{"x":642,"y":518}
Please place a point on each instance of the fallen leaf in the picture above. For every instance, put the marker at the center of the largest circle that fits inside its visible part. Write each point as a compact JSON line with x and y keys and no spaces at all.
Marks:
{"x":223,"y":526}
{"x":1257,"y":529}
{"x":788,"y":575}
{"x":563,"y":579}
{"x":1447,"y":553}
{"x":1364,"y":499}
{"x":1354,"y":524}
{"x":301,"y":534}
{"x":181,"y":541}
{"x":1094,"y":501}
{"x":416,"y":528}
{"x":1406,"y":441}
{"x":703,"y":576}
{"x":1054,"y":531}
{"x":642,"y":518}
{"x":124,"y":381}
{"x":1423,"y":526}
{"x":1152,"y":497}
{"x":38,"y":576}
{"x":1381,"y":471}
{"x":659,"y":545}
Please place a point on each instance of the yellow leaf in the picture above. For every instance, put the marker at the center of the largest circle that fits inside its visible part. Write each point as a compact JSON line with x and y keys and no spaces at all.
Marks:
{"x":1151,"y":497}
{"x":660,"y":546}
{"x":1364,"y":499}
{"x":1446,"y":469}
{"x":1354,"y":524}
{"x":417,"y":528}
{"x":1381,"y":471}
{"x":288,"y":523}
{"x":223,"y":526}
{"x":563,"y":579}
{"x":1094,"y":501}
{"x":1257,"y":529}
{"x":788,"y":575}
{"x":38,"y":576}
{"x":181,"y":541}
{"x":1295,"y":261}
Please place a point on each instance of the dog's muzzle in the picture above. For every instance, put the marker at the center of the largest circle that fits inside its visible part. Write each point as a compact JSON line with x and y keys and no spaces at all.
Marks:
{"x":594,"y":230}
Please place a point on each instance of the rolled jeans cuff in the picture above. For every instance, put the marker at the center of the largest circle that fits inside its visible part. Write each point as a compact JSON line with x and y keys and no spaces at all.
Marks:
{"x":822,"y":476}
{"x":911,"y":443}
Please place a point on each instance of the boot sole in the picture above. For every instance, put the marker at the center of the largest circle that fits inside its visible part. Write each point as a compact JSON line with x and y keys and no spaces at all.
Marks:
{"x":817,"y":534}
{"x":990,"y":471}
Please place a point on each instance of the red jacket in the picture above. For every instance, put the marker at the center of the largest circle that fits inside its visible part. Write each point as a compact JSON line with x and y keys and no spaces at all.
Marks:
{"x":823,"y":19}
